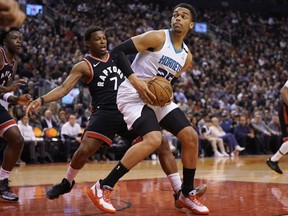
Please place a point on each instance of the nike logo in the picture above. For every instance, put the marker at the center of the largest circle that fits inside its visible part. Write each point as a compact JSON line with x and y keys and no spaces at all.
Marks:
{"x":95,"y":65}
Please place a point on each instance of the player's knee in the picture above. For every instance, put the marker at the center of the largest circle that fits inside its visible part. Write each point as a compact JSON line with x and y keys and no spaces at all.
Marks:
{"x":190,"y":137}
{"x":154,"y":139}
{"x":164,"y":147}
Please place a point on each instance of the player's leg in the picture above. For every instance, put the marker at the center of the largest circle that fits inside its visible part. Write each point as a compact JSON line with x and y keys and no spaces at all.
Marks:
{"x":87,"y":148}
{"x":148,"y":128}
{"x":283,"y":150}
{"x":10,"y":132}
{"x":169,"y":166}
{"x":176,"y":122}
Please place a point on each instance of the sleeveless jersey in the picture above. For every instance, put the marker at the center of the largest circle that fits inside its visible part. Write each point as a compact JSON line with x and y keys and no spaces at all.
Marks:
{"x":104,"y":82}
{"x":6,"y":71}
{"x":166,"y":62}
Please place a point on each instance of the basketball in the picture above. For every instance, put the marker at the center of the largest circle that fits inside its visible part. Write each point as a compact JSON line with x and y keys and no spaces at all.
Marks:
{"x":162,"y":90}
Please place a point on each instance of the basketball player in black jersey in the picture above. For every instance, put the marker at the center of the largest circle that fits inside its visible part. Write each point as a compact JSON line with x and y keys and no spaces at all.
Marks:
{"x":102,"y":76}
{"x":11,"y":42}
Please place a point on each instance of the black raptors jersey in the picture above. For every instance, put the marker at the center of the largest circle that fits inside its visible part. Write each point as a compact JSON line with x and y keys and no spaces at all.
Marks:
{"x":105,"y":80}
{"x":6,"y":71}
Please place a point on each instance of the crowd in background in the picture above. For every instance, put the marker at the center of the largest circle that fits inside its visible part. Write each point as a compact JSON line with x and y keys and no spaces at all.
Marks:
{"x":234,"y":82}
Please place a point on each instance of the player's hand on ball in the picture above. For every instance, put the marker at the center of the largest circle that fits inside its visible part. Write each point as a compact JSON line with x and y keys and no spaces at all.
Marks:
{"x":24,"y":99}
{"x":141,"y":85}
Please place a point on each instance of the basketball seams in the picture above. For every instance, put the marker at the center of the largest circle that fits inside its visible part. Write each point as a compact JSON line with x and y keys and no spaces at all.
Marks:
{"x":162,"y":90}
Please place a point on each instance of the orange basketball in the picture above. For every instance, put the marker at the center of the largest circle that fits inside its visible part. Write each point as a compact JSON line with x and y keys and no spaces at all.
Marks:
{"x":162,"y":90}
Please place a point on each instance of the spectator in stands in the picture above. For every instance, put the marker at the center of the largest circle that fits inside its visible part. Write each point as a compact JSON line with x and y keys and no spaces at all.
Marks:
{"x":263,"y":132}
{"x":228,"y":138}
{"x":275,"y":128}
{"x":31,"y":141}
{"x":71,"y":136}
{"x":216,"y":142}
{"x":48,"y":121}
{"x":246,"y":137}
{"x":182,"y":105}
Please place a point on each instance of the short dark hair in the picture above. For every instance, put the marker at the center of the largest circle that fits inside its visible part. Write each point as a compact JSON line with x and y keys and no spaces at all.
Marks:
{"x":190,"y":8}
{"x":90,"y":30}
{"x":4,"y":34}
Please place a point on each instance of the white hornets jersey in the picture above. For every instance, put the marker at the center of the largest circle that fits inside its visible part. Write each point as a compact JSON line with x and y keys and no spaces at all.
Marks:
{"x":166,"y":62}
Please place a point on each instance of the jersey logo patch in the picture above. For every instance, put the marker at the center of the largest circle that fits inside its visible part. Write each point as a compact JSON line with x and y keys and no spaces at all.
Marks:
{"x":95,"y":65}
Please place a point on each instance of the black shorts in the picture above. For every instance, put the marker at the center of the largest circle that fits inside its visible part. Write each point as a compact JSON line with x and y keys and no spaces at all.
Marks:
{"x":105,"y":124}
{"x":6,"y":121}
{"x":283,"y":118}
{"x":175,"y":121}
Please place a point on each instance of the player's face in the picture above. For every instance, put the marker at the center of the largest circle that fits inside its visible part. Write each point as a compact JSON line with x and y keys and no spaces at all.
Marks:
{"x":181,"y":20}
{"x":98,"y":43}
{"x":14,"y":42}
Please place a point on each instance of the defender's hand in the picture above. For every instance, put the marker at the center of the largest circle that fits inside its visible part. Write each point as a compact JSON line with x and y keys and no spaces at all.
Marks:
{"x":24,"y":99}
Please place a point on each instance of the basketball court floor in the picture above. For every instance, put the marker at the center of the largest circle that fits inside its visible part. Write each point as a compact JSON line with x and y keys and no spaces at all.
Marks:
{"x":236,"y":187}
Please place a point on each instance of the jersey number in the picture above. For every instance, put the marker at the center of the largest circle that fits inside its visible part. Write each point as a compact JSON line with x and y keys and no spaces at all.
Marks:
{"x":115,"y":82}
{"x":163,"y":73}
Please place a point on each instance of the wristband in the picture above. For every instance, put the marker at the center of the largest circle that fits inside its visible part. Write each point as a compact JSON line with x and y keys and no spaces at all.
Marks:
{"x":6,"y":96}
{"x":42,"y":100}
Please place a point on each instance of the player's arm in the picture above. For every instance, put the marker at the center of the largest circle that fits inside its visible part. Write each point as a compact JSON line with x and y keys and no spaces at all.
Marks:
{"x":284,"y":92}
{"x":11,"y":86}
{"x":184,"y":68}
{"x":12,"y":99}
{"x":151,"y":39}
{"x":78,"y":71}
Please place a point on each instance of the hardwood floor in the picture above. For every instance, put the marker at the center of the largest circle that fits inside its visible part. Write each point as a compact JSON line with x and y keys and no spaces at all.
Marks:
{"x":237,"y":186}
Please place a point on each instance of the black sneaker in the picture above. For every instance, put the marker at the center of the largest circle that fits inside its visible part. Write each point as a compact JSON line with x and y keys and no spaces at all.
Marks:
{"x":59,"y":189}
{"x":274,"y":166}
{"x":5,"y":191}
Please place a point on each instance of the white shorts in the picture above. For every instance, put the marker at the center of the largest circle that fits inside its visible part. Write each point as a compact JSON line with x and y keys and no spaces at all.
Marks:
{"x":130,"y":104}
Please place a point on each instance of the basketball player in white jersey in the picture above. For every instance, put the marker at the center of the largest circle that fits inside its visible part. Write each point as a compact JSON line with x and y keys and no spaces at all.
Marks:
{"x":283,"y":117}
{"x":160,"y":53}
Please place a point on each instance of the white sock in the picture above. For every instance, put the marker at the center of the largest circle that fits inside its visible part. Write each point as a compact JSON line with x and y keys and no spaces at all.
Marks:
{"x":175,"y":181}
{"x":282,"y":151}
{"x":4,"y":174}
{"x":71,"y":174}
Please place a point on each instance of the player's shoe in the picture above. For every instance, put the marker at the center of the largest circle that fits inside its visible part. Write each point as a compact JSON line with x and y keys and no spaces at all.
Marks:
{"x":199,"y":192}
{"x":192,"y":203}
{"x":101,"y":197}
{"x":59,"y":189}
{"x":274,"y":166}
{"x":5,"y":191}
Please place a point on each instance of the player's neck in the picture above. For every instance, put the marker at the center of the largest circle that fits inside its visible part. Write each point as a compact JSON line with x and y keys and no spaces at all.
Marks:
{"x":9,"y":55}
{"x":177,"y":39}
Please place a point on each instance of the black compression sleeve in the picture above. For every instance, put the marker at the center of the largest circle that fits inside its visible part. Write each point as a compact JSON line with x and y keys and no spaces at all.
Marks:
{"x":119,"y":54}
{"x":174,"y":79}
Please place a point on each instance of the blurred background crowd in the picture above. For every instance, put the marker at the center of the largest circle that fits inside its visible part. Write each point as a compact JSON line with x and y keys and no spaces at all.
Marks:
{"x":239,"y":65}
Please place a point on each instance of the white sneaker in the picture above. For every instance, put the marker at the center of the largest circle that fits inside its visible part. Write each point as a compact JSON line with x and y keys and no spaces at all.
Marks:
{"x":101,"y":197}
{"x":192,"y":203}
{"x":239,"y":148}
{"x":232,"y":154}
{"x":218,"y":154}
{"x":225,"y":154}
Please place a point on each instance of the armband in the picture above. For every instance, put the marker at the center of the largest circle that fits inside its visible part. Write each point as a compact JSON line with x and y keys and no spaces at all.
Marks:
{"x":6,"y":96}
{"x":174,"y":79}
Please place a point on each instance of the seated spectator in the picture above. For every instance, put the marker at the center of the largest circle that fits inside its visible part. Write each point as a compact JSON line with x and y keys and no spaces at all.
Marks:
{"x":71,"y":136}
{"x":276,"y":139}
{"x":30,"y":141}
{"x":263,"y":132}
{"x":48,"y":121}
{"x":246,"y":137}
{"x":228,"y":138}
{"x":216,"y":142}
{"x":226,"y":123}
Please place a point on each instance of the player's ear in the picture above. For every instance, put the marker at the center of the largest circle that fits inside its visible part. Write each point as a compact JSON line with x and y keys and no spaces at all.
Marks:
{"x":87,"y":44}
{"x":191,"y":26}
